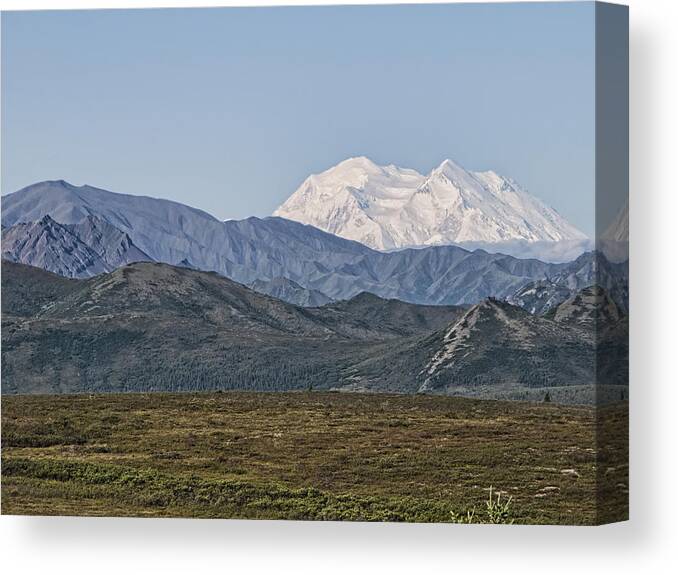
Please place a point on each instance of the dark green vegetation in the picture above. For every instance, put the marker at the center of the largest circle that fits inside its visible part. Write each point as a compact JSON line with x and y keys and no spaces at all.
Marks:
{"x":313,"y":456}
{"x":155,"y":327}
{"x":149,"y":327}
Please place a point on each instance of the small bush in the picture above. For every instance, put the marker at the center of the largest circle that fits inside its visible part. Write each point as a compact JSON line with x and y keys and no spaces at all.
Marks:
{"x":498,"y":511}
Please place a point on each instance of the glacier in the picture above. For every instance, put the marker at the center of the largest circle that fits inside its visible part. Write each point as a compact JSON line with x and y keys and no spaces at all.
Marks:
{"x":388,"y":207}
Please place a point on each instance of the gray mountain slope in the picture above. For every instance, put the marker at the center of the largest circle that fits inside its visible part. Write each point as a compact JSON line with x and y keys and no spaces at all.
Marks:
{"x":170,"y":232}
{"x":51,"y":246}
{"x":264,"y":249}
{"x":393,"y":315}
{"x":163,"y":292}
{"x":291,"y":292}
{"x":113,"y":246}
{"x":497,"y":342}
{"x":85,"y":249}
{"x":542,"y":296}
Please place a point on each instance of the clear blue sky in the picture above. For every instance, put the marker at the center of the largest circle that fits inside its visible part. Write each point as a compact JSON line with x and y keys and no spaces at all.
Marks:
{"x":230,"y":109}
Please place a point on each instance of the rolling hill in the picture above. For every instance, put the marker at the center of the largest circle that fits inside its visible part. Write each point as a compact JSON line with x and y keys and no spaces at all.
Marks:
{"x":151,"y":327}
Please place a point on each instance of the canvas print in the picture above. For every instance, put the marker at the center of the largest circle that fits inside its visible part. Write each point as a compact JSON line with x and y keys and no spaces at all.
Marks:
{"x":364,"y":263}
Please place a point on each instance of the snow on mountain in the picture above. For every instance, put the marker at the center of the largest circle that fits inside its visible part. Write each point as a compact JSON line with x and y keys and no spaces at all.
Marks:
{"x":356,"y":200}
{"x":386,"y":207}
{"x":540,"y":296}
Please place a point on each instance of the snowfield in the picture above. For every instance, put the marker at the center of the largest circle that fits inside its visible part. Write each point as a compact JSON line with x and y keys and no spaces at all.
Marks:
{"x":387,"y":207}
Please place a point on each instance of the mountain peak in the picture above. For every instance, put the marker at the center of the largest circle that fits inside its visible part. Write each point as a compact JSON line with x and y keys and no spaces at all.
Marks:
{"x":448,"y":167}
{"x":358,"y":162}
{"x":54,"y":185}
{"x":493,"y":307}
{"x":46,"y":220}
{"x":387,"y":207}
{"x":90,"y":247}
{"x":63,"y":183}
{"x":592,"y":305}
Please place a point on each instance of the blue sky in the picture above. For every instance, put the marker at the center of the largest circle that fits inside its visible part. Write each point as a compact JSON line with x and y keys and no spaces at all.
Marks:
{"x":230,"y":109}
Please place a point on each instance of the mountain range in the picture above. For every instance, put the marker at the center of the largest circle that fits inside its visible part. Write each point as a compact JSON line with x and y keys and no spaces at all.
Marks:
{"x":149,"y":326}
{"x":83,"y":231}
{"x":387,"y":207}
{"x":110,"y":292}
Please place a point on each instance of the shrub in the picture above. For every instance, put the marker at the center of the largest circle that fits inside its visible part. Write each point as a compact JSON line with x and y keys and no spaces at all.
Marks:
{"x":498,"y":512}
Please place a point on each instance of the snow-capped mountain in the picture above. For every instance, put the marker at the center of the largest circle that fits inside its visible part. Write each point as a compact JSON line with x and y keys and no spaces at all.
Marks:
{"x":387,"y":207}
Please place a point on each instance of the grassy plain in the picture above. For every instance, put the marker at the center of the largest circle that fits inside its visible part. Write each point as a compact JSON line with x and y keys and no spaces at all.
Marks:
{"x":316,"y":455}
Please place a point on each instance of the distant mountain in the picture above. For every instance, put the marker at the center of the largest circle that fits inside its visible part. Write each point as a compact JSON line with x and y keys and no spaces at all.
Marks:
{"x":386,"y":207}
{"x":51,"y":246}
{"x":84,"y":249}
{"x":113,"y":246}
{"x":151,"y":327}
{"x":592,"y":306}
{"x":541,"y":296}
{"x":291,"y":292}
{"x":552,"y":252}
{"x":162,"y":292}
{"x":173,"y":233}
{"x":265,"y":249}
